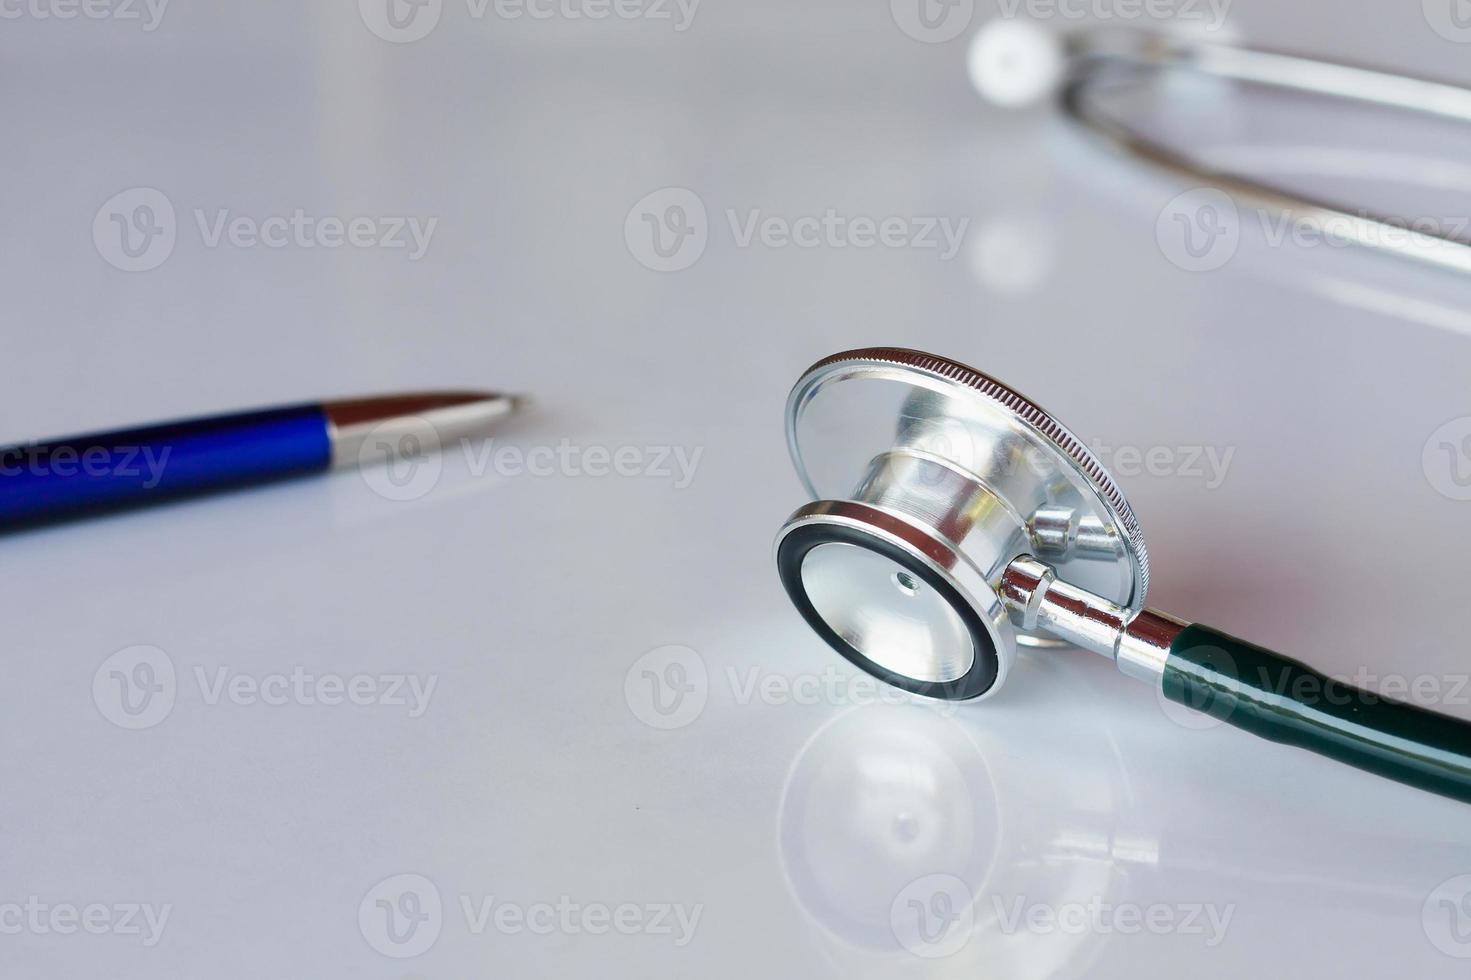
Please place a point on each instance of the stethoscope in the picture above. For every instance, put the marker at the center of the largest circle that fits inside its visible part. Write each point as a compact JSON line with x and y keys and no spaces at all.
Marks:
{"x":1014,"y":63}
{"x":953,"y":519}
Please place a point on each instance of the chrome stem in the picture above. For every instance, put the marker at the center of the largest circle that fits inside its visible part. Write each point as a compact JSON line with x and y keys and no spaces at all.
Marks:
{"x":1137,"y":642}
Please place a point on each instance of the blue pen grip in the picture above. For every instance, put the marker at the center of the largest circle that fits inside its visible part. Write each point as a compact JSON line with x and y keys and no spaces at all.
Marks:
{"x":87,"y":474}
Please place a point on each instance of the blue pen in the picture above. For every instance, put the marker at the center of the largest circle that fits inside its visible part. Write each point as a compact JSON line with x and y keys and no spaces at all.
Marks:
{"x":45,"y":482}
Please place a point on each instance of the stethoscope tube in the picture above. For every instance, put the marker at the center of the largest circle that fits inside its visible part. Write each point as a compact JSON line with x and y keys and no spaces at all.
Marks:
{"x":1093,"y":59}
{"x":1284,"y":701}
{"x":1250,"y":687}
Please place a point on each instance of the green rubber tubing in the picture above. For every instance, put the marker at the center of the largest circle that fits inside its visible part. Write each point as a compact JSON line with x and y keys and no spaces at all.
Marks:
{"x":1282,"y":700}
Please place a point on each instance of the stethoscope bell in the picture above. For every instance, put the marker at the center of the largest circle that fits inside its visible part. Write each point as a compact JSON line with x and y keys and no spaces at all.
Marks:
{"x":953,"y":519}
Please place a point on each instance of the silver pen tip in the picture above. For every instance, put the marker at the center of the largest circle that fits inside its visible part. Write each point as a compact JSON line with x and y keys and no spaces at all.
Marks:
{"x":366,"y":429}
{"x":358,"y":411}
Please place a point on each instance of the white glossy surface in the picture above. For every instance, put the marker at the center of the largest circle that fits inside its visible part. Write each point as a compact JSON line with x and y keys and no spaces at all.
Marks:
{"x":800,"y":819}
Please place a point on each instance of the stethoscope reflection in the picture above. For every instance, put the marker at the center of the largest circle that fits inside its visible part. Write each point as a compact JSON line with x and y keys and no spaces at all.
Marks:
{"x":910,"y":837}
{"x":917,"y":838}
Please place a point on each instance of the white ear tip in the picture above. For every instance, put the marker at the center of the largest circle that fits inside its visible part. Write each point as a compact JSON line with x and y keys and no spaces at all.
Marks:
{"x":1013,"y":63}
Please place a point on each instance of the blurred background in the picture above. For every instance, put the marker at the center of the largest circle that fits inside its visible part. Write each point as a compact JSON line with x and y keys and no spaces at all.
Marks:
{"x":592,"y":735}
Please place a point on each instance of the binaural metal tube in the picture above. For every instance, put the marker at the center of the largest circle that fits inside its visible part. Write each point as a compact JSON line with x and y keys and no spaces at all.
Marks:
{"x":1138,"y":643}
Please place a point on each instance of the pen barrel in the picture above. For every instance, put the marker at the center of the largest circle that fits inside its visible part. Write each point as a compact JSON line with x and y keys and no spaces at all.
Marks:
{"x":43,"y":482}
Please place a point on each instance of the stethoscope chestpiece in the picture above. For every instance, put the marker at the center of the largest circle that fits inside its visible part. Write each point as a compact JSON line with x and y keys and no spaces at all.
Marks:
{"x":953,"y":519}
{"x":929,"y":480}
